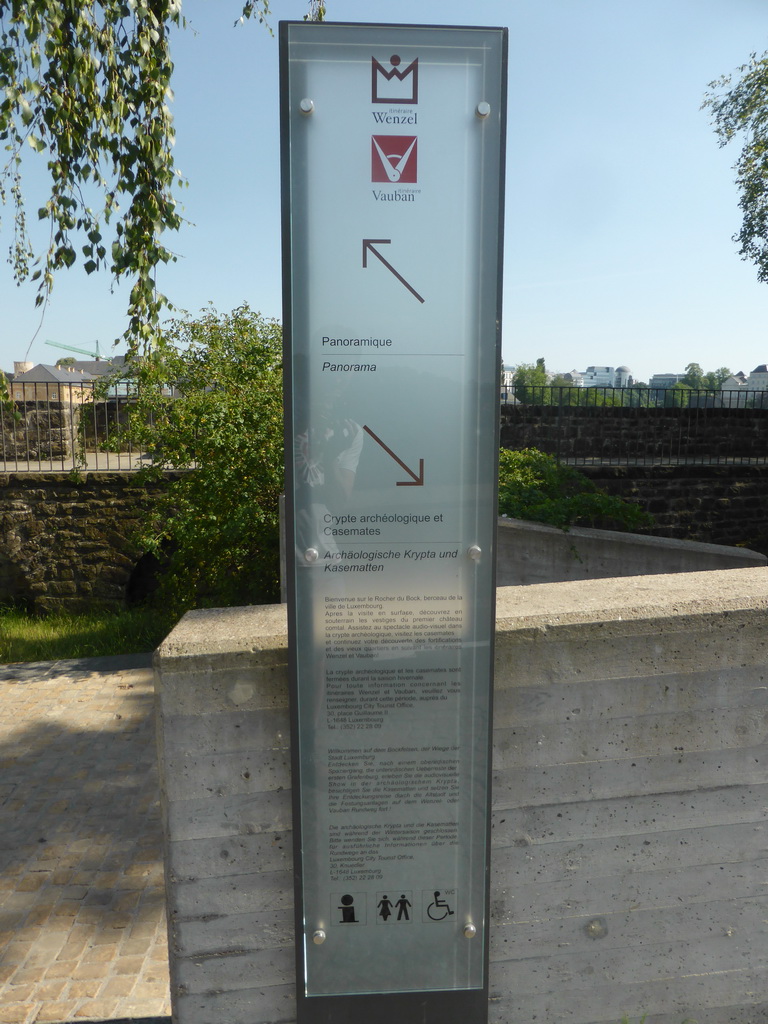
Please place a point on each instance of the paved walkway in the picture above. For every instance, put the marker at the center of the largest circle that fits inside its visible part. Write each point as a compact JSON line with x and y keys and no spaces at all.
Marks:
{"x":82,"y":916}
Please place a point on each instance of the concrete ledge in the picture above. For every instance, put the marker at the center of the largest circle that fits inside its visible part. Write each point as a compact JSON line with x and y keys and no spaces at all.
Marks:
{"x":651,"y":599}
{"x":532,"y":553}
{"x":630,"y":805}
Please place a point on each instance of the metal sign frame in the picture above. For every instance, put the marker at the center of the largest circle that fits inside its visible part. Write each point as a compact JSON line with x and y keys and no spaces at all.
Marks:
{"x":391,"y":575}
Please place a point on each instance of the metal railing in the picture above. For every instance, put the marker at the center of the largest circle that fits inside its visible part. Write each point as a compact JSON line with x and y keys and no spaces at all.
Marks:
{"x":638,"y":426}
{"x":61,"y":427}
{"x":64,"y":427}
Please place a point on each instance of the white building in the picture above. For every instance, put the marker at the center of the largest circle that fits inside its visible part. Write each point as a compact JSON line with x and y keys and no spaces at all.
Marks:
{"x":734,"y":391}
{"x":576,"y":378}
{"x":607,"y":377}
{"x":665,"y":380}
{"x":758,"y":378}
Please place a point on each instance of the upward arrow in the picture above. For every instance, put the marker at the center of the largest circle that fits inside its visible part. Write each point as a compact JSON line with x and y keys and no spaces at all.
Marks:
{"x":368,"y":244}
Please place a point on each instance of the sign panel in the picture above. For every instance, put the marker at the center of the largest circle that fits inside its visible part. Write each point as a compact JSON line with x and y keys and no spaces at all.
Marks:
{"x":392,"y":164}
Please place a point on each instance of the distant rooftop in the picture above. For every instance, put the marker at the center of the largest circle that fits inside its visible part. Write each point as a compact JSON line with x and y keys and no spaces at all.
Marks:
{"x":43,"y":373}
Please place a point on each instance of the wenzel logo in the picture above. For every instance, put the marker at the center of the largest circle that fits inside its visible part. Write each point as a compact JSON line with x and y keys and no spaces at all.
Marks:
{"x":393,"y":85}
{"x":393,"y":158}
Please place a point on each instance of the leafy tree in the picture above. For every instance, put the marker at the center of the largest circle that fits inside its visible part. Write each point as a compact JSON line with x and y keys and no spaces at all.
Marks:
{"x":676,"y":397}
{"x":697,"y":379}
{"x":637,"y":396}
{"x":739,"y":108}
{"x":694,"y":376}
{"x":528,"y":381}
{"x":714,"y":379}
{"x":210,"y":403}
{"x":87,"y":87}
{"x":533,"y":486}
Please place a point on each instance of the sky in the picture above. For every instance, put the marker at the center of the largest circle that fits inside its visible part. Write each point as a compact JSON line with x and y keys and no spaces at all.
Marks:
{"x":620,"y":206}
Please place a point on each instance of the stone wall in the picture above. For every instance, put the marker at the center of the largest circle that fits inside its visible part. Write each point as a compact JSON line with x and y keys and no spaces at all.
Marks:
{"x":629,"y":805}
{"x":606,"y":432}
{"x":34,"y":431}
{"x":67,"y":541}
{"x":714,"y":504}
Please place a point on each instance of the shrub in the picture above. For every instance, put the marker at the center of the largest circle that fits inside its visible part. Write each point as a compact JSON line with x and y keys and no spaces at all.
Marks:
{"x":210,"y":402}
{"x":533,"y":486}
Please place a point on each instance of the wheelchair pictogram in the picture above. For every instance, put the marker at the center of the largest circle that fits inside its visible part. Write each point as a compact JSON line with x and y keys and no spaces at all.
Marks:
{"x":439,"y":909}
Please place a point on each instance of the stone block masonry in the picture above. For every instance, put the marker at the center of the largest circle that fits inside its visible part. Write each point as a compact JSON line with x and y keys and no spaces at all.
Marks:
{"x":713,"y":504}
{"x":67,"y":542}
{"x":629,"y":805}
{"x":636,"y":435}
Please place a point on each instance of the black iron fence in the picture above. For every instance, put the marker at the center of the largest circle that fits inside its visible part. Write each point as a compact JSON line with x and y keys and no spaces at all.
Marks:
{"x":638,"y":426}
{"x":62,"y":427}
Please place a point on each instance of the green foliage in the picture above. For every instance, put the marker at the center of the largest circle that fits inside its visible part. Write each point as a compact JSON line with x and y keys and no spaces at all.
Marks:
{"x":528,"y":380}
{"x":218,"y":523}
{"x":533,"y":486}
{"x":739,"y":110}
{"x":87,"y":87}
{"x":676,"y":397}
{"x":714,"y":379}
{"x":697,"y":379}
{"x":317,"y":11}
{"x":694,"y":376}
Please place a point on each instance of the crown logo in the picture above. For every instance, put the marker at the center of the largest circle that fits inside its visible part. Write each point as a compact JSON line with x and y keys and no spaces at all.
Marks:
{"x":393,"y":84}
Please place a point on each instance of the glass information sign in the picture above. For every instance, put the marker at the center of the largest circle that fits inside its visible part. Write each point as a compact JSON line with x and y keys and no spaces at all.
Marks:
{"x":392,"y":181}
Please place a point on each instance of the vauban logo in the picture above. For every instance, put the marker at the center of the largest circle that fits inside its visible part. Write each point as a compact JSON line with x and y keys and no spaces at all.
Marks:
{"x":393,"y":158}
{"x":394,"y":84}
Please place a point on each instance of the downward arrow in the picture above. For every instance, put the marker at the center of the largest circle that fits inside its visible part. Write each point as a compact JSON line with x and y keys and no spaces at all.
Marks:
{"x":416,"y":480}
{"x":368,"y":244}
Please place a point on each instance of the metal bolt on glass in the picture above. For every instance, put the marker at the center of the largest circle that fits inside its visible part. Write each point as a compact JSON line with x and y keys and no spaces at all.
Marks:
{"x":470,"y":931}
{"x":474,"y":551}
{"x":483,"y":109}
{"x":311,"y":555}
{"x":306,"y":106}
{"x":319,"y":937}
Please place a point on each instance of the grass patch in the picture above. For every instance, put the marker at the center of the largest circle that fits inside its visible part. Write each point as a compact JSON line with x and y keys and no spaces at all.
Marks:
{"x":25,"y":637}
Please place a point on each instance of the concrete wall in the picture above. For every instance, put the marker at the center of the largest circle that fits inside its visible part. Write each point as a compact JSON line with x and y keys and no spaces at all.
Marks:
{"x":629,"y":826}
{"x":532,"y":553}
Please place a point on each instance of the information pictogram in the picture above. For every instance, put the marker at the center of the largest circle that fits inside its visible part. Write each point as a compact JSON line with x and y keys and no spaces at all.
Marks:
{"x":396,"y":910}
{"x":439,"y":909}
{"x":393,"y":158}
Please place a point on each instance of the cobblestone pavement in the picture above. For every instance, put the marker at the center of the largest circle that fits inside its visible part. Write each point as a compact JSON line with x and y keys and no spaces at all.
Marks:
{"x":82,"y":916}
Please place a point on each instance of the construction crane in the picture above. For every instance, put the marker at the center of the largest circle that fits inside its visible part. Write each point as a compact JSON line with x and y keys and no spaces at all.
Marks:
{"x":82,"y":351}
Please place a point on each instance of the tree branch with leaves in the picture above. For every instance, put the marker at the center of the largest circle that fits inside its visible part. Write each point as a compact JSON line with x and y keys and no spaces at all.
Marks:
{"x":739,"y":109}
{"x":87,"y":86}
